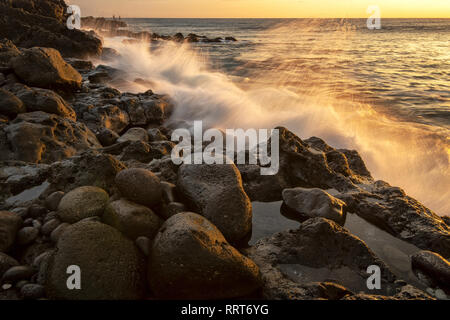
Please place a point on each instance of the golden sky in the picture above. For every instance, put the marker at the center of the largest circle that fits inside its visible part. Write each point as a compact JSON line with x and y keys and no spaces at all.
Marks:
{"x":263,"y":8}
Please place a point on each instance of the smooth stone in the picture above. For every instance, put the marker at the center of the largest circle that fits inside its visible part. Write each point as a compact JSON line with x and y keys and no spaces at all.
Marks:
{"x":144,"y":244}
{"x":53,"y":200}
{"x":49,"y":226}
{"x":81,"y":203}
{"x":314,"y":203}
{"x":6,"y":262}
{"x":27,"y":235}
{"x":112,"y":266}
{"x":54,"y":236}
{"x":32,"y":291}
{"x":17,"y":273}
{"x":140,"y":186}
{"x":190,"y":259}
{"x":134,"y":134}
{"x":132,"y":219}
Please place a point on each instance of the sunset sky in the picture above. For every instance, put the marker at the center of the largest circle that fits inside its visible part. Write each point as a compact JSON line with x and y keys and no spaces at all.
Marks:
{"x":264,"y":8}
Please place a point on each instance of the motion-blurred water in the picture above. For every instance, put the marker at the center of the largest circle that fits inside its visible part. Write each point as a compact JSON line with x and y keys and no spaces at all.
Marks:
{"x":385,"y":93}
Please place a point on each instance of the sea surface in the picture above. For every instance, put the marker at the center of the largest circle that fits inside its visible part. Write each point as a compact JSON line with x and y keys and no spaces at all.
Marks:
{"x":385,"y":93}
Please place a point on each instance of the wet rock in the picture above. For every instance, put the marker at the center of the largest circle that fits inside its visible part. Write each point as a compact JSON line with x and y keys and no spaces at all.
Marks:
{"x":9,"y":226}
{"x":147,"y":109}
{"x":81,"y":65}
{"x":216,"y":192}
{"x":190,"y":259}
{"x":32,"y":291}
{"x":10,"y":105}
{"x":310,"y":203}
{"x":390,"y":209}
{"x":112,"y":267}
{"x":45,"y":68}
{"x":319,"y":245}
{"x":140,"y":186}
{"x":433,"y":266}
{"x":17,"y":273}
{"x":131,"y":219}
{"x":27,"y":235}
{"x":53,"y":200}
{"x":6,"y":262}
{"x":134,"y":134}
{"x":36,"y":99}
{"x":42,"y":137}
{"x":82,"y":203}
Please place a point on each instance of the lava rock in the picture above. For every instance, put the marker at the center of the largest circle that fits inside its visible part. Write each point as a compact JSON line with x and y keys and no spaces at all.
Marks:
{"x":434,"y":266}
{"x":82,"y":203}
{"x":131,"y":219}
{"x":310,"y":203}
{"x":111,"y":265}
{"x":190,"y":259}
{"x":140,"y":186}
{"x":45,"y":68}
{"x":10,"y":105}
{"x":216,"y":192}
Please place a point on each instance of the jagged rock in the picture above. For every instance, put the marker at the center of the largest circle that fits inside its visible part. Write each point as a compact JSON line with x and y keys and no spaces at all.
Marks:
{"x":131,"y":219}
{"x":43,"y":23}
{"x":36,"y":99}
{"x":112,"y":266}
{"x":318,"y":247}
{"x":9,"y":226}
{"x":10,"y":105}
{"x":190,"y":259}
{"x":309,"y":203}
{"x":134,"y":134}
{"x":45,"y":68}
{"x":216,"y":192}
{"x":147,"y":109}
{"x":433,"y":266}
{"x":39,"y":137}
{"x":7,"y":51}
{"x":155,"y":134}
{"x":107,"y":137}
{"x":392,"y":210}
{"x":105,"y":117}
{"x":82,"y":203}
{"x":140,"y":186}
{"x":90,"y":168}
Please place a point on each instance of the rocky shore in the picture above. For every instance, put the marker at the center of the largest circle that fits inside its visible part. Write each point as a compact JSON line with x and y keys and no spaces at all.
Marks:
{"x":87,"y":180}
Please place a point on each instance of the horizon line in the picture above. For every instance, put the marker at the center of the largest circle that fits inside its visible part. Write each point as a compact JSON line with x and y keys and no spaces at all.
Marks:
{"x":261,"y":17}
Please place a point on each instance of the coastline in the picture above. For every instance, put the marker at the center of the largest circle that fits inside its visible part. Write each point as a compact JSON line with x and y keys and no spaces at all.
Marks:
{"x":86,"y":169}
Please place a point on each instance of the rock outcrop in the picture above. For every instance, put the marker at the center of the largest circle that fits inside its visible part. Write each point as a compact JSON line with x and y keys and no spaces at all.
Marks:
{"x":190,"y":259}
{"x":43,"y":23}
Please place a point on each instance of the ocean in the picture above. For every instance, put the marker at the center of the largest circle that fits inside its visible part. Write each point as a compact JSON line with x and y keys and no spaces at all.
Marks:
{"x":385,"y":93}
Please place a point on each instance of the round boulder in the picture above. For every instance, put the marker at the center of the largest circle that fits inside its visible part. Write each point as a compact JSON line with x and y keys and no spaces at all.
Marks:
{"x":111,"y":266}
{"x":82,"y":203}
{"x":140,"y":186}
{"x":190,"y":259}
{"x":215,"y":191}
{"x":133,"y":220}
